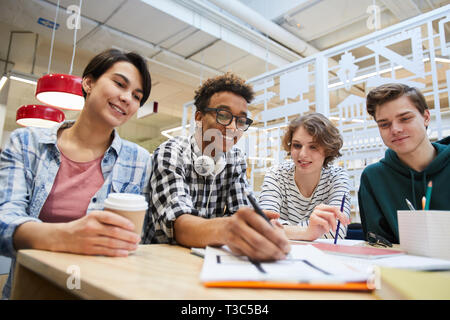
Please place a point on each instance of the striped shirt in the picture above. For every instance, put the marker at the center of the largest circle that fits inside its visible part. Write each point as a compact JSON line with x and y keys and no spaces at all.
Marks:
{"x":29,"y":165}
{"x":280,"y":194}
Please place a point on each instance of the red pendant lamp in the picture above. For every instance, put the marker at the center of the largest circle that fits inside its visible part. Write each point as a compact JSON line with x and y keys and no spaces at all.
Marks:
{"x":33,"y":115}
{"x":61,"y":91}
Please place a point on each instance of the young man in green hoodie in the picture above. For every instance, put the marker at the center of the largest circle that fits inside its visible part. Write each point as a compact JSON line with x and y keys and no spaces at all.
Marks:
{"x":410,"y":163}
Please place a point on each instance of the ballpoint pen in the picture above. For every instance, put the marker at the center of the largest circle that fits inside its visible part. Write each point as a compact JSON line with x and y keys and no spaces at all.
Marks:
{"x":261,"y":213}
{"x":339,"y":222}
{"x":409,"y":204}
{"x":256,"y":207}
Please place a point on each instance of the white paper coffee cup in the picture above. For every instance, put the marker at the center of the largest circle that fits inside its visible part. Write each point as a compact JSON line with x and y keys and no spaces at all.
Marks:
{"x":129,"y":205}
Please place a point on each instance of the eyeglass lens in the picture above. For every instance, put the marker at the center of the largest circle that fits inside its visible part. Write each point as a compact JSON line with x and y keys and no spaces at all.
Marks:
{"x":225,"y":117}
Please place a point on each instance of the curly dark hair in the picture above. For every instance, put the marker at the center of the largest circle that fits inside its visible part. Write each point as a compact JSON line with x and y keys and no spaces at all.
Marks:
{"x":391,"y":91}
{"x":323,"y":131}
{"x":226,"y":82}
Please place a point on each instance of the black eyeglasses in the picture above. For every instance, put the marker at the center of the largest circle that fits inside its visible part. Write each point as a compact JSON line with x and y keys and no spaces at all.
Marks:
{"x":225,"y":117}
{"x":377,"y":240}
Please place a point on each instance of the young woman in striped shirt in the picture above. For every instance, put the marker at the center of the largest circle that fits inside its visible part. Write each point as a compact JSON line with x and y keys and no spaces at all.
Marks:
{"x":307,"y":190}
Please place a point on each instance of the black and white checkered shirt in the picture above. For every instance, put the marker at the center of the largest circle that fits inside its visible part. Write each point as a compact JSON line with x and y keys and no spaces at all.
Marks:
{"x":176,"y":189}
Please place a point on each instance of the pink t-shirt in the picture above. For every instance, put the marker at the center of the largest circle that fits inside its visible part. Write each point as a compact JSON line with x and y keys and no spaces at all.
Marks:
{"x":75,"y":184}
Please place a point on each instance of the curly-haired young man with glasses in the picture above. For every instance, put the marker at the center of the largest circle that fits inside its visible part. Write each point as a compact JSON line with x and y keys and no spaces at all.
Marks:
{"x":198,"y":183}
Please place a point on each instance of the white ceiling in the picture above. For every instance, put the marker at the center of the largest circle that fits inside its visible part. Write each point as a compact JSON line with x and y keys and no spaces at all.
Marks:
{"x":185,"y":42}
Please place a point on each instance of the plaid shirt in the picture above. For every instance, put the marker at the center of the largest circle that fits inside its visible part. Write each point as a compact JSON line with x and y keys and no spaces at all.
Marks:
{"x":28,"y":167}
{"x":177,"y":189}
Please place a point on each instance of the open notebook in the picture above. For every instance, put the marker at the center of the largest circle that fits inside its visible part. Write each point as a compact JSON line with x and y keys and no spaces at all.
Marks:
{"x":305,"y":268}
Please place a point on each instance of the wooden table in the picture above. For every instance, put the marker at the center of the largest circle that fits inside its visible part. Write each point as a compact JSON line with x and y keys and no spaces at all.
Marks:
{"x":153,"y":272}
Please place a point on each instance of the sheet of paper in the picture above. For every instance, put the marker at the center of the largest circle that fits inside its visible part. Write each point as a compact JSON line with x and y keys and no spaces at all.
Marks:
{"x":304,"y":264}
{"x":405,"y":261}
{"x":366,"y":252}
{"x":343,"y":242}
{"x":198,"y":252}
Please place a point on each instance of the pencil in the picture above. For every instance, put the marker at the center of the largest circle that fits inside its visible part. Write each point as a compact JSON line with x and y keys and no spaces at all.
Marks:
{"x":428,"y":196}
{"x":339,"y":222}
{"x":423,"y":202}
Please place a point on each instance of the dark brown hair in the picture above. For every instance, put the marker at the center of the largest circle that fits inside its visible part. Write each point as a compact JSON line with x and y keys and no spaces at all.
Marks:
{"x":391,"y":91}
{"x":323,"y":131}
{"x":106,"y":59}
{"x":227,"y":82}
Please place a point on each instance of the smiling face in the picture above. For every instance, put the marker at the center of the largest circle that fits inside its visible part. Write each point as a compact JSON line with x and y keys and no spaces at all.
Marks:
{"x":115,"y":96}
{"x":222,"y":137}
{"x":307,"y":155}
{"x":402,"y":127}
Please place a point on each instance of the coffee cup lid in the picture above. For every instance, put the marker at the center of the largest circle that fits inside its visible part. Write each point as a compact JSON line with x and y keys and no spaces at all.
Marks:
{"x":126,"y":201}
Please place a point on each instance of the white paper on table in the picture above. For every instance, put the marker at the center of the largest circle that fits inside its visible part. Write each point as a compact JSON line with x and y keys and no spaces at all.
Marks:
{"x":304,"y":264}
{"x":404,"y":261}
{"x":343,"y":242}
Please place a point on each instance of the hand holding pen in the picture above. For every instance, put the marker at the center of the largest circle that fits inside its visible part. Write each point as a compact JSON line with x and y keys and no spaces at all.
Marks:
{"x":247,"y":234}
{"x":323,"y":219}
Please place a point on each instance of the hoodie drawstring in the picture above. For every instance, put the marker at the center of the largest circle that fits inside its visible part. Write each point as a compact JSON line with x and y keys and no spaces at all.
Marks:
{"x":424,"y":184}
{"x":413,"y":189}
{"x":424,"y":179}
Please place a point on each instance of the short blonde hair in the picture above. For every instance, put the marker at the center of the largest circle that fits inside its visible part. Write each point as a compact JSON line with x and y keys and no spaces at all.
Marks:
{"x":323,"y":131}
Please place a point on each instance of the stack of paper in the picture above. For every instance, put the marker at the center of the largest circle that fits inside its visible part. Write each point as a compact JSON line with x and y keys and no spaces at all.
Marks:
{"x":305,"y":268}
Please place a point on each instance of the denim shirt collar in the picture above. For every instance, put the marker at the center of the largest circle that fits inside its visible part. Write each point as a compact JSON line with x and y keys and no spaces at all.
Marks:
{"x":51,"y":136}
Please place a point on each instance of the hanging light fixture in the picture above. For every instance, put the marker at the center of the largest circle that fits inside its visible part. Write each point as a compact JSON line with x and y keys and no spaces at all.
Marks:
{"x":38,"y":116}
{"x":61,"y":90}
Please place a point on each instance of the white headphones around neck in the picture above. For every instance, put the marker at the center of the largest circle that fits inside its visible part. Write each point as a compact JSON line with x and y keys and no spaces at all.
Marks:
{"x":206,"y":166}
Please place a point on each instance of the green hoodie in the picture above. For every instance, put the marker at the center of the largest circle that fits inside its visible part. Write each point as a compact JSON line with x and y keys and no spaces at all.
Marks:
{"x":386,"y":184}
